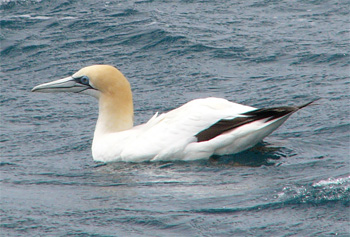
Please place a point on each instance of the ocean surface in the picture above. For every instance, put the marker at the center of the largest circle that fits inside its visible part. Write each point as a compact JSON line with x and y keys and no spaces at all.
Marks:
{"x":258,"y":53}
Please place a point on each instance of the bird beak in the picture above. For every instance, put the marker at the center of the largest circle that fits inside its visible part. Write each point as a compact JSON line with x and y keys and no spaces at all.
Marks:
{"x":68,"y":84}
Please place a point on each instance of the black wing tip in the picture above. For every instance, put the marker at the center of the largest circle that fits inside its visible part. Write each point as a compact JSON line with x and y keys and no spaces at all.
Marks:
{"x":307,"y":104}
{"x":225,"y":125}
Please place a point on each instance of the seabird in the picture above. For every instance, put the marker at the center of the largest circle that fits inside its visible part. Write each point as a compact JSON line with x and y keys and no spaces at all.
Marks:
{"x":196,"y":130}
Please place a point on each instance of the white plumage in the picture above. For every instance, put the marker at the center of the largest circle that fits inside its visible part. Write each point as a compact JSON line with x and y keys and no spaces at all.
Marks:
{"x":197,"y":130}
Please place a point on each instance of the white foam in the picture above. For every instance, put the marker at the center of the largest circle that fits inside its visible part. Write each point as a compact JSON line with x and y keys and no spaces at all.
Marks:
{"x":332,"y":181}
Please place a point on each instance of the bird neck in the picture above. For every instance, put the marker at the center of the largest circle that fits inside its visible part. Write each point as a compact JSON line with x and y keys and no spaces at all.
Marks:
{"x":115,"y":113}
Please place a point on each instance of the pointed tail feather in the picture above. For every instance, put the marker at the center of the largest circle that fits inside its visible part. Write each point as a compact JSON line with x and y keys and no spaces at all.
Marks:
{"x":225,"y":125}
{"x":309,"y":103}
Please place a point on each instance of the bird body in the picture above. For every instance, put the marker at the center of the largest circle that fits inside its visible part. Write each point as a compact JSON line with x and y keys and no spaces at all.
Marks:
{"x":196,"y":130}
{"x":169,"y":135}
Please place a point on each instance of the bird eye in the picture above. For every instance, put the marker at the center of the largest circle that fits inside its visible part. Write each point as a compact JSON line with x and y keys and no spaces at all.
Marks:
{"x":84,"y":80}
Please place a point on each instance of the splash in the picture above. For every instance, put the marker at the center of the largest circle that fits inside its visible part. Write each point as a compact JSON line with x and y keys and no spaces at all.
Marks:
{"x":323,"y":191}
{"x":333,"y":182}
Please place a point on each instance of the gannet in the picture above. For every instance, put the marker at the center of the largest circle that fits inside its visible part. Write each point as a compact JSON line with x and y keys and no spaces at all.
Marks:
{"x":196,"y":130}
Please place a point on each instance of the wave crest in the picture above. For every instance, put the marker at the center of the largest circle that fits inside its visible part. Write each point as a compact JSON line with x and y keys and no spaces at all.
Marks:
{"x":319,"y":192}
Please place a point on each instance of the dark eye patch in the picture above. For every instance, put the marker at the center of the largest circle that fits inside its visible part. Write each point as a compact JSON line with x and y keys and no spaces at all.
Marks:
{"x":84,"y":80}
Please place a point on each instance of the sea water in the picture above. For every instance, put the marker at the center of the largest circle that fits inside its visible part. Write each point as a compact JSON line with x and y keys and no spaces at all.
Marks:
{"x":258,"y":53}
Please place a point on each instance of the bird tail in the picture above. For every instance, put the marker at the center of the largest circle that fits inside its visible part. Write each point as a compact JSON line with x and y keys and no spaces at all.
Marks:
{"x":307,"y":104}
{"x":269,"y":114}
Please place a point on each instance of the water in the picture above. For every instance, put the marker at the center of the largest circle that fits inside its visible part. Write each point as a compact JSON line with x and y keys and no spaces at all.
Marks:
{"x":259,"y":53}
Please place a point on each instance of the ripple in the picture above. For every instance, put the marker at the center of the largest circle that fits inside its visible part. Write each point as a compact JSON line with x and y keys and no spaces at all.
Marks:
{"x":323,"y":58}
{"x":321,"y":192}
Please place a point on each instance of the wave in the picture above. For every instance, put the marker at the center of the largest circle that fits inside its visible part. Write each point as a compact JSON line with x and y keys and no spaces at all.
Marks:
{"x":153,"y":38}
{"x":323,"y":191}
{"x":319,"y":193}
{"x":322,"y":58}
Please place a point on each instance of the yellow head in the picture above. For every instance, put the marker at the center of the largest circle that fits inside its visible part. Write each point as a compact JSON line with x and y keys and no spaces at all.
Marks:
{"x":104,"y":78}
{"x":106,"y":83}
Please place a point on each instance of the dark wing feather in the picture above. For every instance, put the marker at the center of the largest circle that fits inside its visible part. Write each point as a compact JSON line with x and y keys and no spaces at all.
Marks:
{"x":220,"y":127}
{"x":225,"y":125}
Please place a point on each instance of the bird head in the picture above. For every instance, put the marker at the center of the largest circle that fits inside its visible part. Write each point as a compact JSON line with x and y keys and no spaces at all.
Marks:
{"x":95,"y":80}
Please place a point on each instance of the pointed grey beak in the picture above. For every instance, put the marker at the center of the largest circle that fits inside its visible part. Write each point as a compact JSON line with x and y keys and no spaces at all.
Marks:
{"x":68,"y":84}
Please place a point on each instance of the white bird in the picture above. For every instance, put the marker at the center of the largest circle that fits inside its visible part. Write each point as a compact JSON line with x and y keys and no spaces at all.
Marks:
{"x":198,"y":129}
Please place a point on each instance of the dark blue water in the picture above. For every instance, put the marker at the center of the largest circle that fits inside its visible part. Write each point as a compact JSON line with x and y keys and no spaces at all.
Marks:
{"x":259,"y":53}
